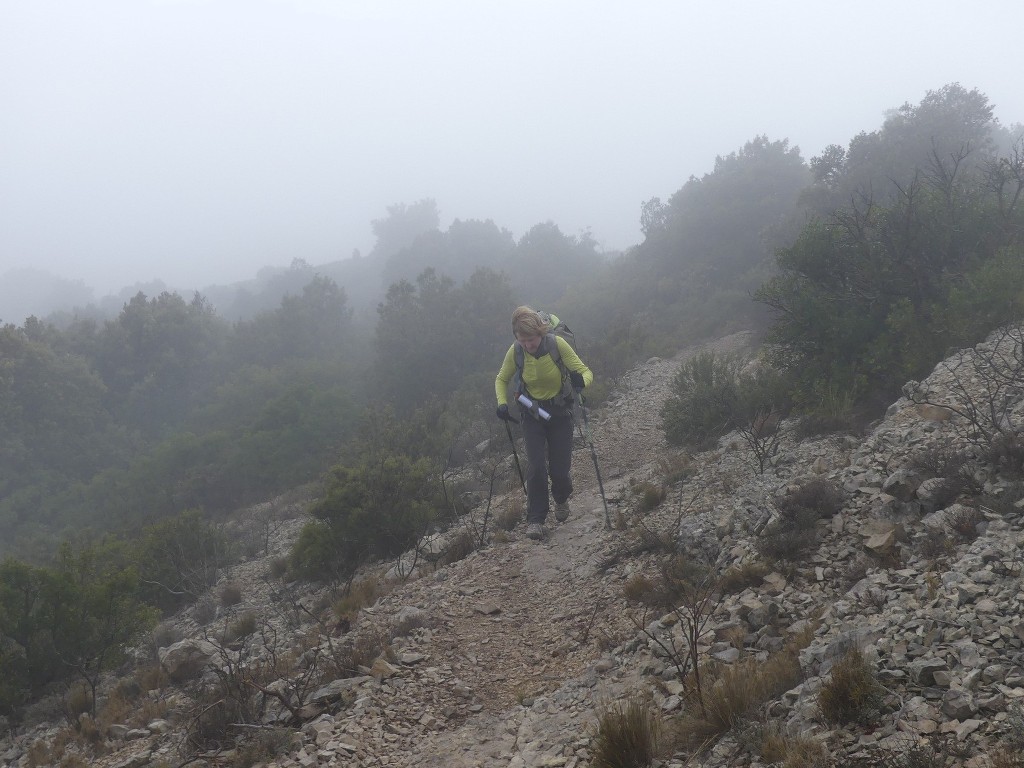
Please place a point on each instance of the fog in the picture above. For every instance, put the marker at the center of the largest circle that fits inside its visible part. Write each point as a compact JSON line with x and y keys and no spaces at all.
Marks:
{"x":197,"y":141}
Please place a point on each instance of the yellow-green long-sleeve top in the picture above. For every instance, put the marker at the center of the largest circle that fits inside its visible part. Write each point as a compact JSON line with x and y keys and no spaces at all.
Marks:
{"x":541,"y":375}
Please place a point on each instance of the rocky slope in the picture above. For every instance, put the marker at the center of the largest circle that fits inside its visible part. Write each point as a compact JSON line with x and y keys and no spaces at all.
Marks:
{"x":508,"y":656}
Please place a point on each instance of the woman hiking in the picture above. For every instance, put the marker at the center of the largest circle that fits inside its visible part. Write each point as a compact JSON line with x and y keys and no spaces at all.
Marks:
{"x":538,"y":364}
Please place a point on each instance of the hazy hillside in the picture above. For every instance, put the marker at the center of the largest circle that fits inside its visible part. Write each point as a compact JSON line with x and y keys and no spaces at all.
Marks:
{"x":139,"y":449}
{"x":875,"y":623}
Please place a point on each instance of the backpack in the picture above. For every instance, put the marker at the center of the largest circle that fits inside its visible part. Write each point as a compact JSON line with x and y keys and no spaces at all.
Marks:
{"x":550,"y":346}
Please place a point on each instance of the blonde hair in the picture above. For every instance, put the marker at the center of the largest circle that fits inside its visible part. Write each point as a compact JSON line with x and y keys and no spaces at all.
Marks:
{"x":528,"y":322}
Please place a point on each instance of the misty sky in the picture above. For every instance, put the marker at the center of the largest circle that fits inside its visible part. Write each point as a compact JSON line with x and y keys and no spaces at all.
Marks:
{"x":199,"y":140}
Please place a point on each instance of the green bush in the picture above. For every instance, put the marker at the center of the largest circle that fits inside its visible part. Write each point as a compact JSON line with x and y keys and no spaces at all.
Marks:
{"x":703,"y":400}
{"x":180,"y":558}
{"x":381,"y":507}
{"x":378,"y":508}
{"x":317,"y":554}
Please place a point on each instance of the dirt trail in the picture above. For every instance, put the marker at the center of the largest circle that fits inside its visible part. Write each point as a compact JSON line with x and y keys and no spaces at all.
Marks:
{"x":519,"y":619}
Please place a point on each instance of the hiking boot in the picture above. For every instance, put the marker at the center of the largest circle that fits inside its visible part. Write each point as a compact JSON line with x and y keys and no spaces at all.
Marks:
{"x":562,"y":511}
{"x":534,"y":531}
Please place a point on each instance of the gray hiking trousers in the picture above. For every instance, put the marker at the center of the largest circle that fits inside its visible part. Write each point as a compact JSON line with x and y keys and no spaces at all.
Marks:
{"x":548,"y":452}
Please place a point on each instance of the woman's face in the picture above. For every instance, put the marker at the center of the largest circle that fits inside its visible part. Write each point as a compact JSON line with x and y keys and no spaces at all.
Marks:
{"x":530,"y":343}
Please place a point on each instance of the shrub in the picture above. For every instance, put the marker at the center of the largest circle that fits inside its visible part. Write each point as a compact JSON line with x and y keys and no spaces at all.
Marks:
{"x":459,"y":547}
{"x":788,"y":538}
{"x":790,"y":751}
{"x":1006,"y":757}
{"x":930,"y":751}
{"x":821,"y":496}
{"x":640,"y":589}
{"x":702,"y":401}
{"x":360,"y":651}
{"x":763,"y":401}
{"x":278,"y":568}
{"x":627,"y":735}
{"x":166,"y":634}
{"x":379,"y":508}
{"x":78,"y":701}
{"x":738,"y":577}
{"x":151,"y":677}
{"x":230,"y":594}
{"x":211,"y":726}
{"x":1005,"y":504}
{"x":675,"y":468}
{"x":405,"y":627}
{"x":359,"y":595}
{"x":180,"y":558}
{"x":832,"y":412}
{"x":263,"y":746}
{"x":241,"y":627}
{"x":316,"y":556}
{"x":794,"y":531}
{"x":963,"y":522}
{"x":939,"y":460}
{"x":1015,"y":727}
{"x":934,"y":543}
{"x":735,"y":691}
{"x":510,"y":515}
{"x":851,"y":694}
{"x":1006,"y":452}
{"x":204,"y":611}
{"x":649,"y":496}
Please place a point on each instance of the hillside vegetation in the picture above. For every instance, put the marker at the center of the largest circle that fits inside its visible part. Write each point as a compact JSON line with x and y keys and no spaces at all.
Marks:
{"x":126,"y":443}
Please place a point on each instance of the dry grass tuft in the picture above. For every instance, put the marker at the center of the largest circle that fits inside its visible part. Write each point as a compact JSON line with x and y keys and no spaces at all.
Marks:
{"x":1006,"y":757}
{"x":360,"y":594}
{"x":204,"y":611}
{"x":230,"y":594}
{"x":963,"y":522}
{"x":508,"y":517}
{"x":264,"y":746}
{"x":851,"y":694}
{"x":790,"y":751}
{"x":649,"y":496}
{"x":461,"y":546}
{"x":676,"y":468}
{"x":639,"y":589}
{"x":738,"y":577}
{"x":241,"y":627}
{"x":627,"y":735}
{"x":734,"y":692}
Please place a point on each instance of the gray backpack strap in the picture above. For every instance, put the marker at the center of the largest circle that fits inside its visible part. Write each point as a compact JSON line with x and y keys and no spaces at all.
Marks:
{"x":550,"y":346}
{"x":552,"y":349}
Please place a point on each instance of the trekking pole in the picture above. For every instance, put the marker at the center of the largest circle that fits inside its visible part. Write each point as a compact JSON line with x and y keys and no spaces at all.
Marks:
{"x":515,"y":455}
{"x":593,"y":454}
